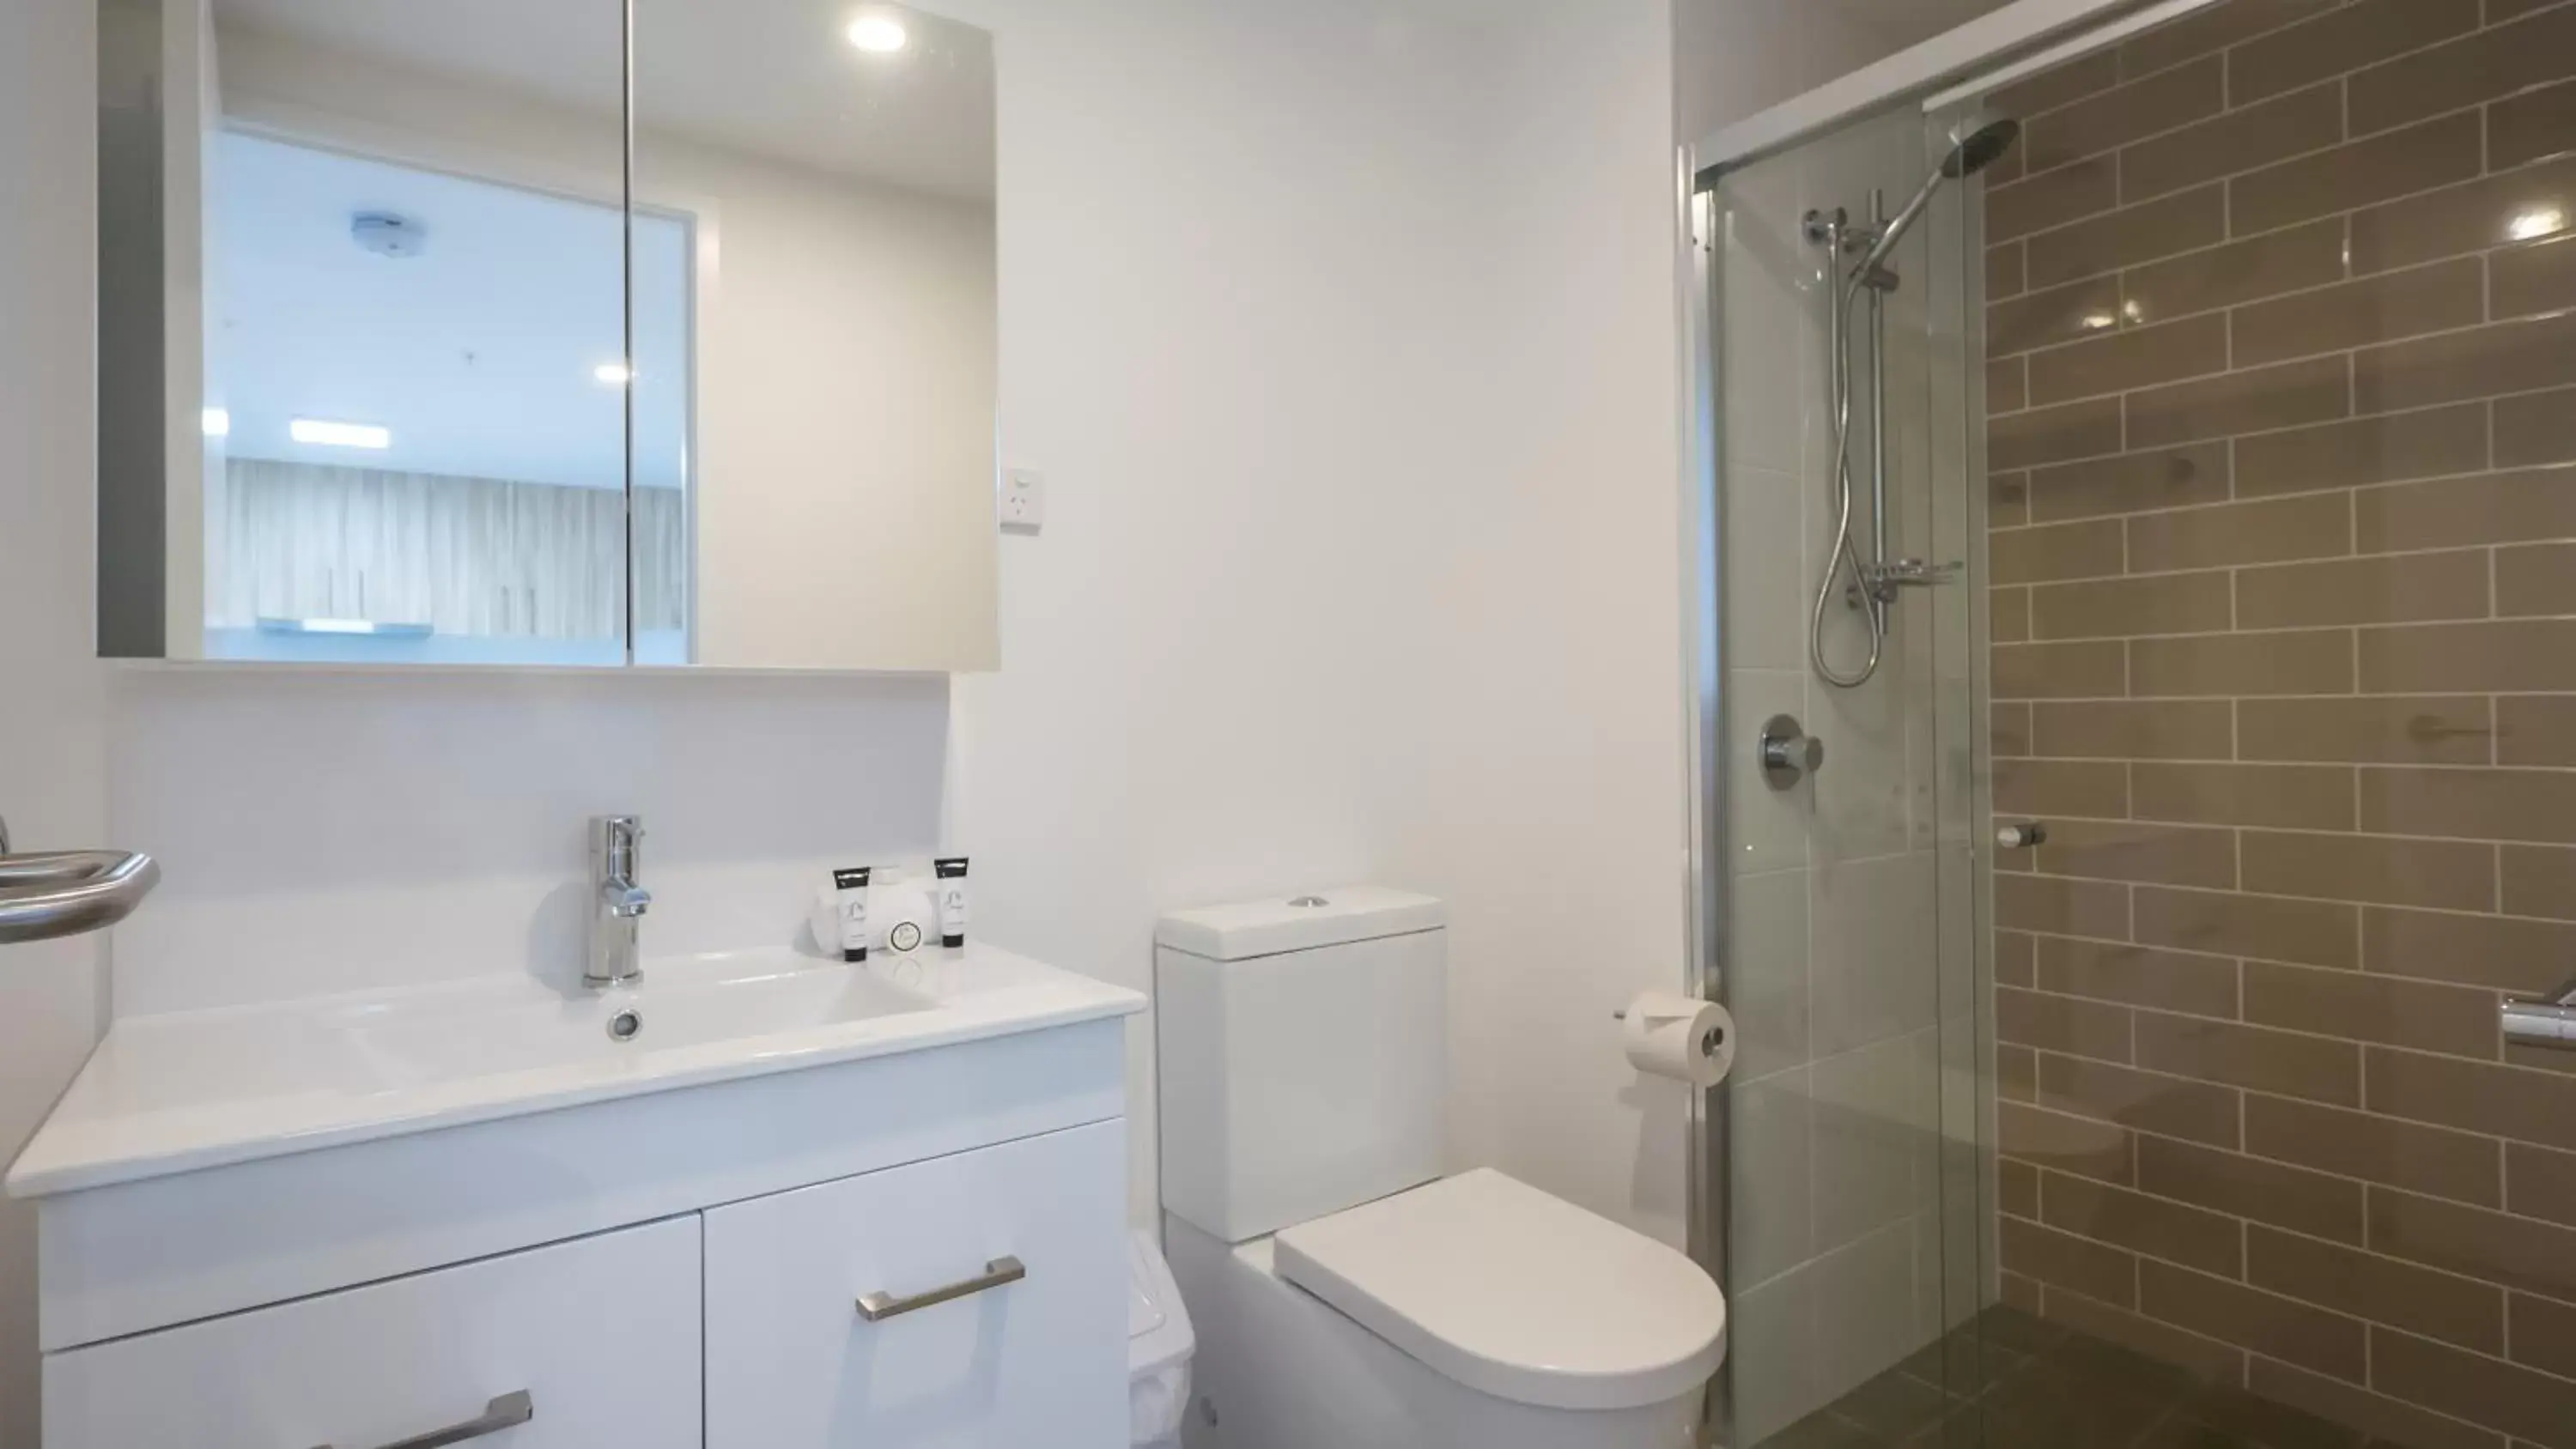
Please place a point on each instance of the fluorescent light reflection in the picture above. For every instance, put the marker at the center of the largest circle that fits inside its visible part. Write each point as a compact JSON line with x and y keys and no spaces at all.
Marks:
{"x":325,"y":434}
{"x":2538,"y":222}
{"x":613,"y":374}
{"x":216,"y":423}
{"x":878,"y":34}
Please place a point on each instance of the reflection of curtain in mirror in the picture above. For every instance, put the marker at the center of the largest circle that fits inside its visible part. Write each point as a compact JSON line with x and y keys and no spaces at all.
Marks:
{"x":469,"y":556}
{"x":661,"y":560}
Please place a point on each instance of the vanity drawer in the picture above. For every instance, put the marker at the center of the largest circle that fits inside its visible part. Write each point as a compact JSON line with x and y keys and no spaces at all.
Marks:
{"x":600,"y":1334}
{"x":794,"y":1363}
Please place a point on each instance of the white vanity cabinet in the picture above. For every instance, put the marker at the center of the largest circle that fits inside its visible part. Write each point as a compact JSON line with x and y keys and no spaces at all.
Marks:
{"x":657,"y":1250}
{"x":600,"y":1336}
{"x":978,"y":1299}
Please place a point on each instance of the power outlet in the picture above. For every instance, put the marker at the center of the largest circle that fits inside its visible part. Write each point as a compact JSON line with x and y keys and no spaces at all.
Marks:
{"x":1023,"y":500}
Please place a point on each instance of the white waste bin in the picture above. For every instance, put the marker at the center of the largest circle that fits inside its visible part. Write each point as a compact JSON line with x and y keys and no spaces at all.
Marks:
{"x":1158,"y":1348}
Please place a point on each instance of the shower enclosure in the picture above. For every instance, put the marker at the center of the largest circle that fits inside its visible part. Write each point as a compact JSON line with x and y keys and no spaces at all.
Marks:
{"x":2138,"y":694}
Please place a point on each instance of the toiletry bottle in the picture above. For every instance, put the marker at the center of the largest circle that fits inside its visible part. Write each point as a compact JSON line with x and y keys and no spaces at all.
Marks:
{"x":952,"y":899}
{"x":850,"y":889}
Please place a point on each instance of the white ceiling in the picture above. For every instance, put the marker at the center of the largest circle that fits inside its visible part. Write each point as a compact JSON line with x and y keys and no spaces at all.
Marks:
{"x":773,"y":77}
{"x":478,"y":354}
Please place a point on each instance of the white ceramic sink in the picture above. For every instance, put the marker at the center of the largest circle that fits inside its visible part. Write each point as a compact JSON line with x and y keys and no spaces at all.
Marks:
{"x":671,"y":1010}
{"x":185,"y":1090}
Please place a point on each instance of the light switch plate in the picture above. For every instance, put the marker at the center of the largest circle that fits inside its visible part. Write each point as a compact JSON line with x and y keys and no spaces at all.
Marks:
{"x":1023,"y":500}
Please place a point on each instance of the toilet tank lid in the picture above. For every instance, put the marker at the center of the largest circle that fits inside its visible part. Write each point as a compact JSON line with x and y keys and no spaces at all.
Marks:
{"x":1300,"y":922}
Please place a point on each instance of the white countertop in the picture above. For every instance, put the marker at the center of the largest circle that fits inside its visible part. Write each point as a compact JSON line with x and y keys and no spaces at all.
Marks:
{"x":181,"y":1091}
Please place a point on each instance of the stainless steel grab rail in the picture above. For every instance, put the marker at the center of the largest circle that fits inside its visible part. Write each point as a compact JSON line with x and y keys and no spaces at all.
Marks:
{"x":66,"y":892}
{"x":506,"y":1412}
{"x":2547,"y":1022}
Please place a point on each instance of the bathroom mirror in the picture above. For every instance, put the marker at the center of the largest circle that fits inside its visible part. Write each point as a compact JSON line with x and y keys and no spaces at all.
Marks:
{"x":575,"y":334}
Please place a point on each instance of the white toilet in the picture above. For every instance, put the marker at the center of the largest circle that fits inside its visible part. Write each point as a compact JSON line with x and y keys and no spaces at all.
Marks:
{"x":1346,"y":1294}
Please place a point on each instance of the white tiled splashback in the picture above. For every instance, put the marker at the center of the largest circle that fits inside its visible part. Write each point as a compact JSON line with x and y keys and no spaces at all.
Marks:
{"x":325,"y":833}
{"x":1836,"y":1245}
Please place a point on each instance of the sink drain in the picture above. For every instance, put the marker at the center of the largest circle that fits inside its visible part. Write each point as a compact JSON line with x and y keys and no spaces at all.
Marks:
{"x":625,"y":1025}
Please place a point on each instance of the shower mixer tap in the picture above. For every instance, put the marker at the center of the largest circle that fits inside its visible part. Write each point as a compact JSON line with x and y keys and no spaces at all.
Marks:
{"x":1884,"y":580}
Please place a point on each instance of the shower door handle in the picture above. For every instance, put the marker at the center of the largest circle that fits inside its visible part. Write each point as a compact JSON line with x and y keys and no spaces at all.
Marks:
{"x":2547,"y":1022}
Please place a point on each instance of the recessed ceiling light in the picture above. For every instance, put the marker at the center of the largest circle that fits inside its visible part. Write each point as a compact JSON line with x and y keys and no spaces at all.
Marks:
{"x":878,"y":34}
{"x":2540,"y":221}
{"x":339,"y":435}
{"x":216,"y":422}
{"x":612,"y":374}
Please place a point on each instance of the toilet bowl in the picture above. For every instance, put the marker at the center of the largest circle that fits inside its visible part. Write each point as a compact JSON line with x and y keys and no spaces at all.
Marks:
{"x":1345,"y":1292}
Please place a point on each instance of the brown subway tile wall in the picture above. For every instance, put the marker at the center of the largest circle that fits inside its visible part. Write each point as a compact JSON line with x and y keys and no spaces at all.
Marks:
{"x":2283,"y":298}
{"x":2532,"y":125}
{"x":2381,"y":1290}
{"x":2469,"y":217}
{"x":2385,"y":448}
{"x":2434,"y":1161}
{"x":2161,"y":228}
{"x":2146,"y":1101}
{"x":2133,"y":482}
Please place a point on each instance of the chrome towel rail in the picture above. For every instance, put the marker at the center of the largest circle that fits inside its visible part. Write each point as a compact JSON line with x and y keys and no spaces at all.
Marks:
{"x":67,"y":892}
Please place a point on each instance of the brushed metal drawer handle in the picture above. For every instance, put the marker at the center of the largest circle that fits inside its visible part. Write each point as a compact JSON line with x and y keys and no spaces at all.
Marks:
{"x":506,"y":1412}
{"x":880,"y":1306}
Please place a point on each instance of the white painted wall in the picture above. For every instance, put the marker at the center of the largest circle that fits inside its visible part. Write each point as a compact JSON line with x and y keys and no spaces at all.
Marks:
{"x":50,"y":752}
{"x":1240,"y":331}
{"x":1312,"y":608}
{"x":1557,"y":825}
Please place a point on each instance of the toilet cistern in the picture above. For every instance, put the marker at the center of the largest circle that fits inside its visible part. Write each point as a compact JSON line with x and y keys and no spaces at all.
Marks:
{"x":617,"y":901}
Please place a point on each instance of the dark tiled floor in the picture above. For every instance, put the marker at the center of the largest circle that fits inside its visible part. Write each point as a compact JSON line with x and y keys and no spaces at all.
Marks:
{"x":2011,"y":1381}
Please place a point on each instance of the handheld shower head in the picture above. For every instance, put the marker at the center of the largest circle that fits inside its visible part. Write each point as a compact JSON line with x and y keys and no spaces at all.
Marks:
{"x":1973,"y":153}
{"x":1981,"y":148}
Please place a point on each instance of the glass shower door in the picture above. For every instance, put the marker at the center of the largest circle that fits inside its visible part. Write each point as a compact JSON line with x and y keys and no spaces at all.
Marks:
{"x":2209,"y":1101}
{"x":1849,"y":615}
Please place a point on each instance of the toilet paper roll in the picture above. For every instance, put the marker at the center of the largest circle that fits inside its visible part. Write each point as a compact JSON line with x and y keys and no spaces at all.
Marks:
{"x":1679,"y":1037}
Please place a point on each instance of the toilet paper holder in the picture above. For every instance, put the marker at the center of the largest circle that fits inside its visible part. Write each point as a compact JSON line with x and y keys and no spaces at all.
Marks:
{"x":1709,"y":1041}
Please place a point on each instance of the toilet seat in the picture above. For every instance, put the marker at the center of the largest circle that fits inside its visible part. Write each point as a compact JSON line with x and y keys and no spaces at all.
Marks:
{"x":1514,"y":1293}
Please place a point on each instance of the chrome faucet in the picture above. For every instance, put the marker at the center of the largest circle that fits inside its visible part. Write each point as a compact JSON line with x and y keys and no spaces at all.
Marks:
{"x":617,"y":902}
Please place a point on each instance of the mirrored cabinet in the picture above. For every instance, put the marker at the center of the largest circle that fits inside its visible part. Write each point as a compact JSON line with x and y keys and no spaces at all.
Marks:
{"x":572,"y":333}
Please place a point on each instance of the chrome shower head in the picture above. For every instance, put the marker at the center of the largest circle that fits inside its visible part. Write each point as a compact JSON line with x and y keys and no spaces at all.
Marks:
{"x":1981,"y":148}
{"x":1972,"y":153}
